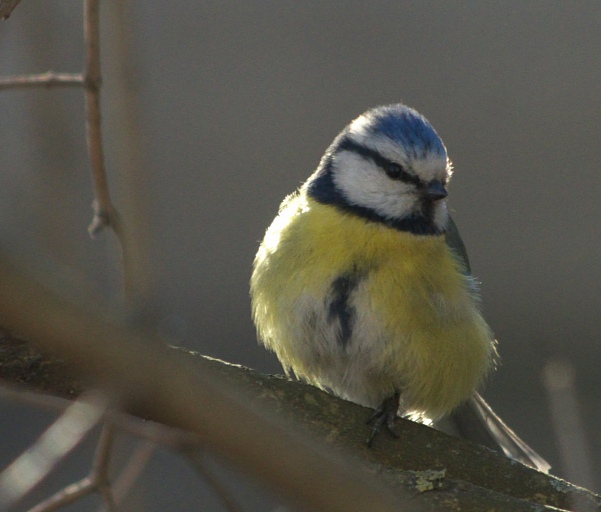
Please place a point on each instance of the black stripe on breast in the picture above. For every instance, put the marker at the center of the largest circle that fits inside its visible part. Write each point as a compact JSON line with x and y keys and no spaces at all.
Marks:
{"x":340,"y":310}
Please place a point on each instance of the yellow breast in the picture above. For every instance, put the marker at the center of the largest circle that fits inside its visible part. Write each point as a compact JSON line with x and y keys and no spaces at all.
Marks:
{"x":416,"y":325}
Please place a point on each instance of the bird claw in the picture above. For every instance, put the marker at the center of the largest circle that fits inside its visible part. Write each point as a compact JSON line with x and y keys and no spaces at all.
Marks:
{"x":384,"y":416}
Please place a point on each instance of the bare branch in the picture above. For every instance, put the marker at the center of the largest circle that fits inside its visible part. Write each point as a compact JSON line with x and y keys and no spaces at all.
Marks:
{"x":155,"y":433}
{"x":221,"y":490}
{"x":66,"y":496}
{"x":7,"y":7}
{"x":100,"y":469}
{"x":90,"y":79}
{"x":48,"y":79}
{"x":104,"y":210}
{"x":54,"y":445}
{"x":135,"y":465}
{"x":558,"y":379}
{"x":188,"y":397}
{"x":475,"y":478}
{"x":96,"y":481}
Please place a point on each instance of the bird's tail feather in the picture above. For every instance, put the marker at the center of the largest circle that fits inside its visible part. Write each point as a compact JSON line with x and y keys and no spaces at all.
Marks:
{"x":477,"y":422}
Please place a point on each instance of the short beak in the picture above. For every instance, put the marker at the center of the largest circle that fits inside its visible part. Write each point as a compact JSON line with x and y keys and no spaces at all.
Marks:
{"x":436,"y":191}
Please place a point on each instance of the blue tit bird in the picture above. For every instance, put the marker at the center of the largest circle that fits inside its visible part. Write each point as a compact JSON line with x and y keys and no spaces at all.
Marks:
{"x":362,"y":285}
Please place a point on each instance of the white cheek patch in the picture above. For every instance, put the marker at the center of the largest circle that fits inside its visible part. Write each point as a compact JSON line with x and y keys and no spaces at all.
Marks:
{"x":363,"y":183}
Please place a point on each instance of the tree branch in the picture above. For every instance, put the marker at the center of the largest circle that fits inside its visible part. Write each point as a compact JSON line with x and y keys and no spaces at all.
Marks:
{"x":458,"y":473}
{"x":104,"y":211}
{"x":79,"y":419}
{"x":48,"y":79}
{"x":7,"y":7}
{"x":155,"y":383}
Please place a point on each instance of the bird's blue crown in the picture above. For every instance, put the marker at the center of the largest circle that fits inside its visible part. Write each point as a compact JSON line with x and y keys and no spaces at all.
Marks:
{"x":405,"y":126}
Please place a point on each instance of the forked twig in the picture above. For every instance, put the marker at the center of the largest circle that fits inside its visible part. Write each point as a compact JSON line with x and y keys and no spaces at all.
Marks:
{"x":152,"y":434}
{"x":62,"y":437}
{"x":96,"y":481}
{"x":113,"y":492}
{"x":157,"y":433}
{"x":104,"y":211}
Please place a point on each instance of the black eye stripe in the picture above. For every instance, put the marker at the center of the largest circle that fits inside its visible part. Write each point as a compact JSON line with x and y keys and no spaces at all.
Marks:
{"x":347,"y":144}
{"x":396,"y":172}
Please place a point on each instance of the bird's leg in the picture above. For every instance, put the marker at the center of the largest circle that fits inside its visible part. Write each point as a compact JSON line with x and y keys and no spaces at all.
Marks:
{"x":384,"y":416}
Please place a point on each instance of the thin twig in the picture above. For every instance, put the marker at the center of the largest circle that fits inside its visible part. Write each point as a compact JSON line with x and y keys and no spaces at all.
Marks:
{"x":66,"y":496}
{"x":104,"y":212}
{"x":7,"y":7}
{"x":96,"y":481}
{"x":62,"y":437}
{"x":157,"y":433}
{"x":559,"y":381}
{"x":221,"y":490}
{"x":130,"y":474}
{"x":100,"y":467}
{"x":48,"y":79}
{"x":151,"y":433}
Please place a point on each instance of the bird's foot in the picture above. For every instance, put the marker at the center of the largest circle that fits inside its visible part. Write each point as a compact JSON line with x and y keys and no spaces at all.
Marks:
{"x":384,"y":417}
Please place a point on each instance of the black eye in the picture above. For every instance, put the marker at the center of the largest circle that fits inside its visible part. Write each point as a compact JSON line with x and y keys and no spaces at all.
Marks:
{"x":394,"y":171}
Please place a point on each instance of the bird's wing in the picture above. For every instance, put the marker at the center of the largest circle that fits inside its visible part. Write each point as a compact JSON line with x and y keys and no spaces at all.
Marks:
{"x":453,"y":239}
{"x":475,"y":420}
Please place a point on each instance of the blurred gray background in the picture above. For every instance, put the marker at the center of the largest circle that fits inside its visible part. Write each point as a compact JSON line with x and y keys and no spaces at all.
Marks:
{"x":239,"y":101}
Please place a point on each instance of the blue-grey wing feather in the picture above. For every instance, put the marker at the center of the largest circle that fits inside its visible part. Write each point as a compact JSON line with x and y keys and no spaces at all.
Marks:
{"x":455,"y":242}
{"x":475,"y":420}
